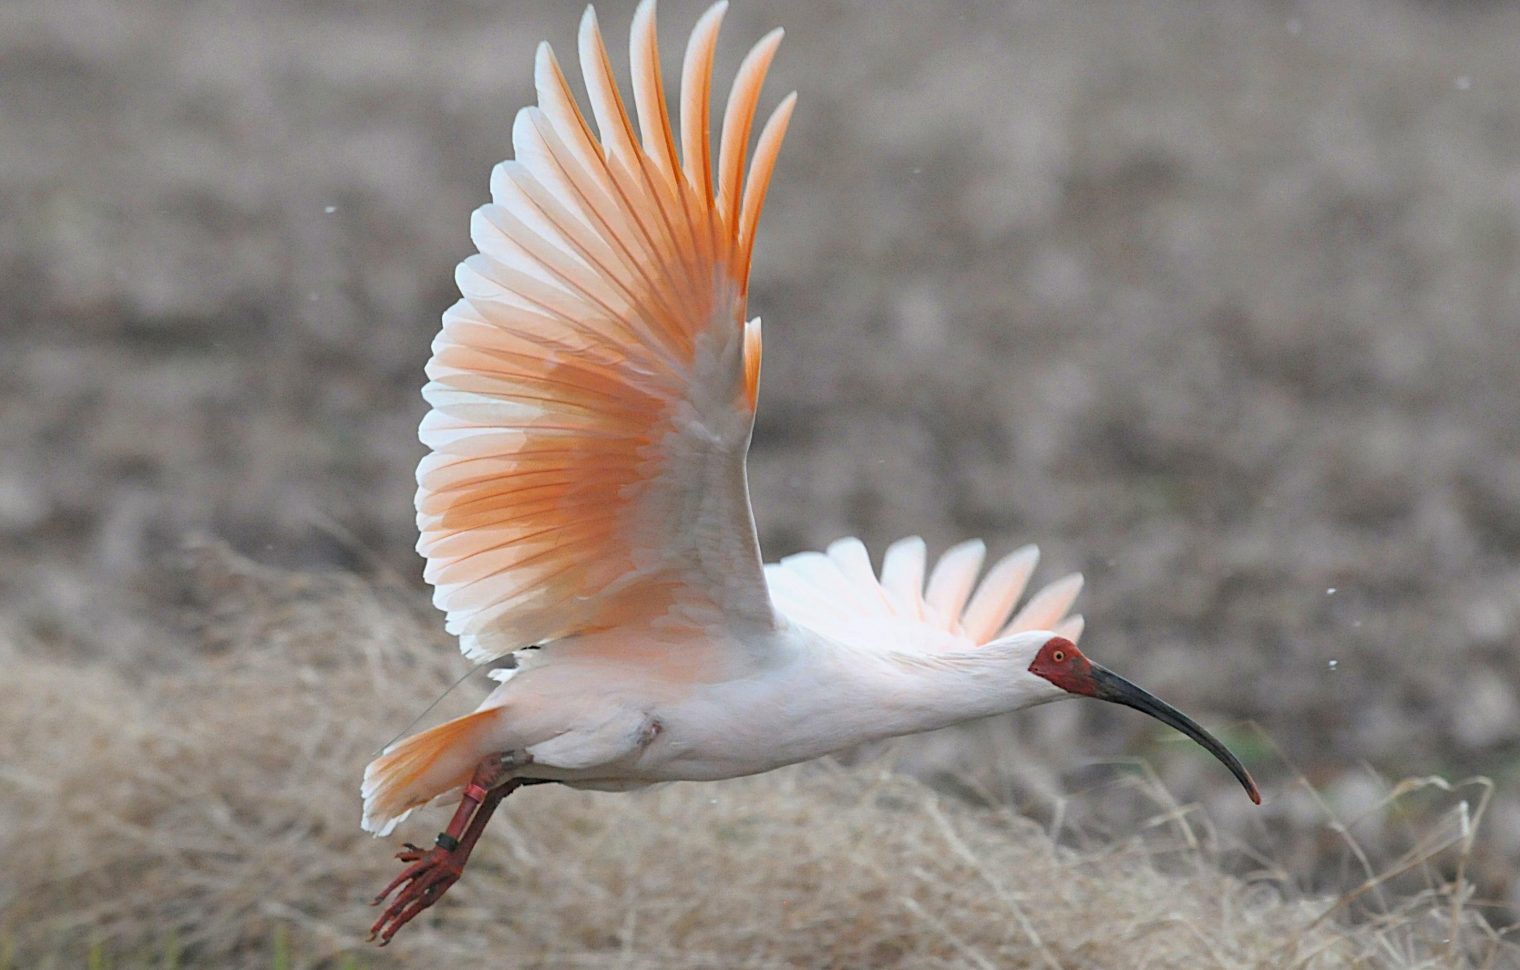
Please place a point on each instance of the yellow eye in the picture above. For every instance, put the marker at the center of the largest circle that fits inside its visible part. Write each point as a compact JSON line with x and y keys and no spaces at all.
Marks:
{"x":1058,"y":656}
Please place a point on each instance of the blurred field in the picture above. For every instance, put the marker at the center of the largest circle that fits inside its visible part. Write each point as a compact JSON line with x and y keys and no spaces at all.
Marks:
{"x":1219,"y":303}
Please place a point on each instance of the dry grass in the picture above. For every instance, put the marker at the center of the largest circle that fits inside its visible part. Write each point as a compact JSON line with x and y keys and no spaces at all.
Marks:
{"x":210,"y":806}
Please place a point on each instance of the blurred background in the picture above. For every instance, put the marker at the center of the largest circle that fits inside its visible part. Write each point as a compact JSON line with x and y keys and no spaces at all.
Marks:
{"x":1219,"y":303}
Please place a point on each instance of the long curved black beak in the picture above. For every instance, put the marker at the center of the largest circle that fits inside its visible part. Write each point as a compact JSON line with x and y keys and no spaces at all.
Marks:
{"x":1109,"y":686}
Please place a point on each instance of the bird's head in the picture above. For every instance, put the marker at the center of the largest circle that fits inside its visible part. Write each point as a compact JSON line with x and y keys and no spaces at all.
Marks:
{"x":1058,"y":661}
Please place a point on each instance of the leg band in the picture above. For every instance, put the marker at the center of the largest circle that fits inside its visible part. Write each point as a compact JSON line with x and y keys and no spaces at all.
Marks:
{"x":447,"y":842}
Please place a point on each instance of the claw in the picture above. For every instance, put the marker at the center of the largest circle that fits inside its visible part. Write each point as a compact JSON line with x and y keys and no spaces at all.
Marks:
{"x":419,"y":886}
{"x":401,"y":918}
{"x":409,"y":873}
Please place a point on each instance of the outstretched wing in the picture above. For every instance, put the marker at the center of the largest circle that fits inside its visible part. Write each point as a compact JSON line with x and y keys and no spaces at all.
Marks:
{"x":838,"y":595}
{"x":593,"y":392}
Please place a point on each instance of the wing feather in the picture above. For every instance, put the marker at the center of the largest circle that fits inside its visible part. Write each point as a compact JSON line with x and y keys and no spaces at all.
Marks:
{"x":953,"y":576}
{"x":696,"y":95}
{"x":649,"y":92}
{"x":839,"y":596}
{"x":1047,"y":607}
{"x":850,"y":556}
{"x":998,"y":592}
{"x":902,"y":574}
{"x":738,"y":118}
{"x":767,"y":149}
{"x":592,"y":393}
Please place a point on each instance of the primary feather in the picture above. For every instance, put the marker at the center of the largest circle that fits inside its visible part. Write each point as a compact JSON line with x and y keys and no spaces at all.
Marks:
{"x":593,"y":391}
{"x":837,"y":595}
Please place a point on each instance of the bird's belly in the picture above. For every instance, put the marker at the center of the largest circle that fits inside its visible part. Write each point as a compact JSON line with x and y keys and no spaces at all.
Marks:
{"x":748,"y":726}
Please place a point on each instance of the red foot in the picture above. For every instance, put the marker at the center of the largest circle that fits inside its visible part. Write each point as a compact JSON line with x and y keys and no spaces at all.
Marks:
{"x":431,"y":872}
{"x":421,"y":884}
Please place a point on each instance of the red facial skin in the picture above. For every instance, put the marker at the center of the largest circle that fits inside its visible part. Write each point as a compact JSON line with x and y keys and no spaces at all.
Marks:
{"x":1061,"y":663}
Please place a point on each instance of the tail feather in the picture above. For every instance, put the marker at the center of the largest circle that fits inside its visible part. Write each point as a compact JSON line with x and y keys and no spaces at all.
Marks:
{"x":413,"y":772}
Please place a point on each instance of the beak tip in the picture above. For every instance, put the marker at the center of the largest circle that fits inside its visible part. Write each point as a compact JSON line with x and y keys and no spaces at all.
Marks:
{"x":1252,"y":791}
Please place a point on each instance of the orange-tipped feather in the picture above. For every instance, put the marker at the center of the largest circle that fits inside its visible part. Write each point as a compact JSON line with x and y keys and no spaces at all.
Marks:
{"x":766,"y":151}
{"x":752,"y":346}
{"x":738,"y":118}
{"x":415,"y":771}
{"x":599,"y":365}
{"x":601,"y":86}
{"x":696,"y":90}
{"x":649,"y":90}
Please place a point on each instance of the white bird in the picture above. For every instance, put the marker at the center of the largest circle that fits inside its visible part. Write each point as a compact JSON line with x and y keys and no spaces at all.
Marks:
{"x":593,"y":395}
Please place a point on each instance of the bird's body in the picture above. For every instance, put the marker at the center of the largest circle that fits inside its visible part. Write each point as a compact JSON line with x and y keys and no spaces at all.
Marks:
{"x":621,"y":708}
{"x":585,"y":510}
{"x":806,"y":702}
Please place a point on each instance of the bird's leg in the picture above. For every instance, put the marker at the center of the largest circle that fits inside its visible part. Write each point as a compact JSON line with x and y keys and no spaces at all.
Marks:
{"x":432,"y":871}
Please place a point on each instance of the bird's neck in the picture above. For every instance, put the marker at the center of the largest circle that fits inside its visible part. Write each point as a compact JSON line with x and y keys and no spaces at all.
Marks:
{"x":906,"y":693}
